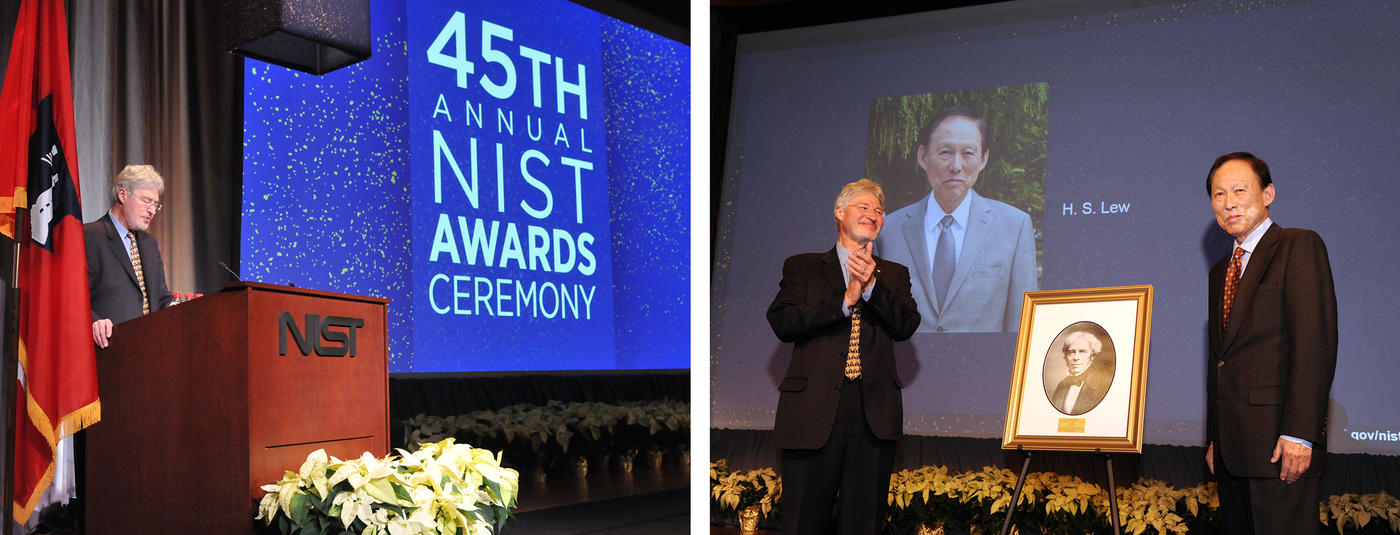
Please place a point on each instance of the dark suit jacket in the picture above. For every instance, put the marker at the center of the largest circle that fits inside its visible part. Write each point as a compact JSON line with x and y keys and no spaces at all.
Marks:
{"x":1097,"y":379}
{"x":807,"y":312}
{"x":1271,"y":372}
{"x":112,"y":281}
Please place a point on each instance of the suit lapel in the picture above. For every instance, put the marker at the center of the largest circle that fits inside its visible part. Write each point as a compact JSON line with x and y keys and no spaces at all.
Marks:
{"x":118,"y":249}
{"x":1259,"y":261}
{"x":831,"y":272}
{"x":978,"y":216}
{"x":918,"y":249}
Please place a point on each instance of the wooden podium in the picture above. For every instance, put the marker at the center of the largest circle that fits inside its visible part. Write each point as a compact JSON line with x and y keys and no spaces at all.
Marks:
{"x":206,"y":401}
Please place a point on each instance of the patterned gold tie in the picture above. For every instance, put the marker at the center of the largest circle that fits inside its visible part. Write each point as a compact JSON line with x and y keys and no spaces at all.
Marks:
{"x":853,"y":351}
{"x":1232,"y":283}
{"x":140,"y":276}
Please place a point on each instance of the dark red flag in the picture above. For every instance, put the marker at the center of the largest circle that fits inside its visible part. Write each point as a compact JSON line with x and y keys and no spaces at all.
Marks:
{"x":38,"y":170}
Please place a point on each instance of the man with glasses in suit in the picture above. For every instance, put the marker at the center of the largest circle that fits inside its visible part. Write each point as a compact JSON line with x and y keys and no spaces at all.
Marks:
{"x":126,"y":277}
{"x":840,"y":412}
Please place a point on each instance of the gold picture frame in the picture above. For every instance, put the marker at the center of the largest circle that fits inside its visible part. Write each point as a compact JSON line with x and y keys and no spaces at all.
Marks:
{"x":1080,"y":378}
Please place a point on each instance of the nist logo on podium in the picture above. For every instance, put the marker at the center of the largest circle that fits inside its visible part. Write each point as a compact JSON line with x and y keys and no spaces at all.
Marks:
{"x":319,"y":332}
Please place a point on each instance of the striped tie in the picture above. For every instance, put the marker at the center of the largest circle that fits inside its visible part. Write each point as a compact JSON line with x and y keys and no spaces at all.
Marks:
{"x":1232,"y":283}
{"x":943,"y":261}
{"x":140,"y":275}
{"x":853,"y":351}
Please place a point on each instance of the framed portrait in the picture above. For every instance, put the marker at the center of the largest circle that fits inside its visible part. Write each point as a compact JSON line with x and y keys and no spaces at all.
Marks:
{"x":1080,"y":378}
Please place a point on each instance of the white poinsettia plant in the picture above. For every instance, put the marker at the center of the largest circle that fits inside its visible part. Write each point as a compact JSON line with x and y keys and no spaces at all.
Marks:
{"x":443,"y":488}
{"x":550,"y":429}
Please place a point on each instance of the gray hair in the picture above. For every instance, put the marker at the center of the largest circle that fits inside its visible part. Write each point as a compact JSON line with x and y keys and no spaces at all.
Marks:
{"x":137,"y":176}
{"x":1095,"y":346}
{"x":849,"y":191}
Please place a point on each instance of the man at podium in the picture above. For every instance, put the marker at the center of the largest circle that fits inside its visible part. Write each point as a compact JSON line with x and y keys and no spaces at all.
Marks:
{"x":126,"y":278}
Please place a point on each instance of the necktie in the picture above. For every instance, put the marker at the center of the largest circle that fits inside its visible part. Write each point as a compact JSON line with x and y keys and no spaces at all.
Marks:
{"x":853,"y":351}
{"x":943,"y":261}
{"x":1076,"y":379}
{"x":1232,"y":283}
{"x":140,"y":276}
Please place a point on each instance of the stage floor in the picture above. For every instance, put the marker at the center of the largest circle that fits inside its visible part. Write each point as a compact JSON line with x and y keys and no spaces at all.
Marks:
{"x":562,"y":489}
{"x":666,"y":511}
{"x":644,"y":501}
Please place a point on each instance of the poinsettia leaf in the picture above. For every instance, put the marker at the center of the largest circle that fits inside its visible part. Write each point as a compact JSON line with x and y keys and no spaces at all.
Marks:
{"x":298,"y":511}
{"x":490,"y":517}
{"x":402,"y":493}
{"x":400,"y":510}
{"x":325,"y":505}
{"x":381,"y":489}
{"x":493,"y":487}
{"x":309,"y":528}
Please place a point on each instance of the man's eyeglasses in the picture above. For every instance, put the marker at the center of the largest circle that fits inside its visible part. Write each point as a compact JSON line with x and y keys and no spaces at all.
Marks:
{"x":148,"y":203}
{"x":865,"y":208}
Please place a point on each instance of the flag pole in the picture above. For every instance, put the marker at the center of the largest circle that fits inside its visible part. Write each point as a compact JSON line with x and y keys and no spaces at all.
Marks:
{"x":10,"y":370}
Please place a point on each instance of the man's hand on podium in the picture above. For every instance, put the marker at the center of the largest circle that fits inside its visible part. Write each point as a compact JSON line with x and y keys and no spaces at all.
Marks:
{"x":101,"y":331}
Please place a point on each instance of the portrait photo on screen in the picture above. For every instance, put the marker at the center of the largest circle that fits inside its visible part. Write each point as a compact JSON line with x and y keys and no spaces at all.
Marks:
{"x":964,"y":179}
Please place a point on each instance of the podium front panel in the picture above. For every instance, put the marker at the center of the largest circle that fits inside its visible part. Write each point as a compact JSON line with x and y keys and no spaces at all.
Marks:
{"x":202,"y":404}
{"x":318,"y":378}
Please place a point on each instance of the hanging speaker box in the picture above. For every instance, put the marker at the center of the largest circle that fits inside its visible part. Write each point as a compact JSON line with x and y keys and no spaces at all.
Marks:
{"x":312,"y":36}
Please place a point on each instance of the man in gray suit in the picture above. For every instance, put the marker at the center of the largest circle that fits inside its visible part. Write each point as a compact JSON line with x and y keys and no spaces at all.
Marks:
{"x":972,"y":258}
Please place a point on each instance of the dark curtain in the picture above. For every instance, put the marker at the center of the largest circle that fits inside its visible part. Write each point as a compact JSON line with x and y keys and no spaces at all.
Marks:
{"x":176,"y":102}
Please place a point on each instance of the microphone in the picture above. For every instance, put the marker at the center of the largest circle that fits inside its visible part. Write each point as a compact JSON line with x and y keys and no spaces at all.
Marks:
{"x":230,"y":271}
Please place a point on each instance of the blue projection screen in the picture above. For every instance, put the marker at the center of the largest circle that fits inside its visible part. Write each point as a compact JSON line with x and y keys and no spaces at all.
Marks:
{"x":1138,"y":101}
{"x":513,"y":176}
